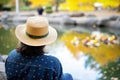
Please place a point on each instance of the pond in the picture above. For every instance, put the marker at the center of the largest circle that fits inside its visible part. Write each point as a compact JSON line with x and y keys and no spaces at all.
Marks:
{"x":82,"y":50}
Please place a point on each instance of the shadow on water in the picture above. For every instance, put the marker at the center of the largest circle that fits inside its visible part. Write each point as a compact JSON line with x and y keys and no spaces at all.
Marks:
{"x":86,"y":50}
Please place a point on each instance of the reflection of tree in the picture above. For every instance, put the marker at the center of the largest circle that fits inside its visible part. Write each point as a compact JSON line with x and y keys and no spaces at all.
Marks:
{"x":103,"y":54}
{"x":91,"y":62}
{"x":111,"y":70}
{"x":102,"y":58}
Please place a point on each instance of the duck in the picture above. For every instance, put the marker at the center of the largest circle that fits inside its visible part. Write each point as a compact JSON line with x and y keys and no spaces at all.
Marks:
{"x":95,"y":42}
{"x":104,"y":38}
{"x":112,"y":39}
{"x":85,"y":41}
{"x":75,"y":41}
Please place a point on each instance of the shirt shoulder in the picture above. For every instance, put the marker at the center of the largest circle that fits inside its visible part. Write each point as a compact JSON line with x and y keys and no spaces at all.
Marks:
{"x":13,"y":52}
{"x":13,"y":56}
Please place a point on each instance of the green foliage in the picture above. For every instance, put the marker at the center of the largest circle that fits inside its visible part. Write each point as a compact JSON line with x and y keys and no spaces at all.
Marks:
{"x":49,"y":9}
{"x":4,"y":2}
{"x":111,"y":70}
{"x":62,"y":1}
{"x":108,"y":71}
{"x":25,"y":8}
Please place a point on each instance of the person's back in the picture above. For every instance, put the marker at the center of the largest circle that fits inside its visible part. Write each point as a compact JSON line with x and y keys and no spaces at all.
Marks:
{"x":41,"y":67}
{"x":29,"y":61}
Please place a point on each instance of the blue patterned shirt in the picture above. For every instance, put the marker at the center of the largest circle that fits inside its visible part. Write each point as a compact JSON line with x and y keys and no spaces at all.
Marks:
{"x":42,"y":67}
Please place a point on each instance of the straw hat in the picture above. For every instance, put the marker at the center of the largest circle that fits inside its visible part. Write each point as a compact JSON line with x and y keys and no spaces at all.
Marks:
{"x":36,"y":32}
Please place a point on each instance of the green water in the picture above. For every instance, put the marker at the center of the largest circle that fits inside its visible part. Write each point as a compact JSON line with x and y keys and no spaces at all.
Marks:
{"x":8,"y":40}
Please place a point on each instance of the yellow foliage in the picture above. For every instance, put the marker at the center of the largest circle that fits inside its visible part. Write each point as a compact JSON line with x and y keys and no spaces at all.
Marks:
{"x":40,"y":2}
{"x":109,"y":3}
{"x":82,"y":5}
{"x":76,"y":5}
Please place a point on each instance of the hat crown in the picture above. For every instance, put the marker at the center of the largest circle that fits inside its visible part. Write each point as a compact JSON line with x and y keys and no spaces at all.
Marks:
{"x":37,"y":26}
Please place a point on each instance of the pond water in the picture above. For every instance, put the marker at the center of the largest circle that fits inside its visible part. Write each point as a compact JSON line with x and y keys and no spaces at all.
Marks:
{"x":83,"y":51}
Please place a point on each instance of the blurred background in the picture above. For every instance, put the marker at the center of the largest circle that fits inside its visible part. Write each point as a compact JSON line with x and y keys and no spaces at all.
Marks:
{"x":61,"y":5}
{"x":88,"y":43}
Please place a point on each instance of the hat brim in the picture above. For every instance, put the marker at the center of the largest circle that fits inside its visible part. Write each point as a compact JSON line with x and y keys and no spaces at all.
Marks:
{"x":21,"y":35}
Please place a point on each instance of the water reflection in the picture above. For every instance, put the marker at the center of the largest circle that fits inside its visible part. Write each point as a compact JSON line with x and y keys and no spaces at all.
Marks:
{"x":104,"y":58}
{"x":80,"y":52}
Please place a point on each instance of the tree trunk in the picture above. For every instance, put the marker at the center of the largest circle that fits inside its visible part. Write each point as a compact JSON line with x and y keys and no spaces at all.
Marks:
{"x":57,"y":5}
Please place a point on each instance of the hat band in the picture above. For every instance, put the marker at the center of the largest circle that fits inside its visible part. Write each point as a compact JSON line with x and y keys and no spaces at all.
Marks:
{"x":36,"y":37}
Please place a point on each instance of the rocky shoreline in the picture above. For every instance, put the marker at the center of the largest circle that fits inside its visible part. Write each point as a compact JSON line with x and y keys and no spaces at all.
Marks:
{"x":73,"y":18}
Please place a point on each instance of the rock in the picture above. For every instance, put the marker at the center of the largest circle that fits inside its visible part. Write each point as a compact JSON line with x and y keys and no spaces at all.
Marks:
{"x":114,"y":17}
{"x":4,"y":16}
{"x":61,"y":19}
{"x":1,"y":59}
{"x":86,"y":21}
{"x":77,"y":14}
{"x":2,"y":76}
{"x":4,"y":57}
{"x":90,"y":15}
{"x":112,"y":22}
{"x":2,"y":67}
{"x":101,"y":21}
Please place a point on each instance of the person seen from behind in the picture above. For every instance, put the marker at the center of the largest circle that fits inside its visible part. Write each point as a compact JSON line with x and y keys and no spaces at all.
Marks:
{"x":29,"y":60}
{"x":40,"y":10}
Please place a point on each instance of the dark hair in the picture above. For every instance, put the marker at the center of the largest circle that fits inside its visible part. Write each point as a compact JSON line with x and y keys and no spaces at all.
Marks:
{"x":27,"y":50}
